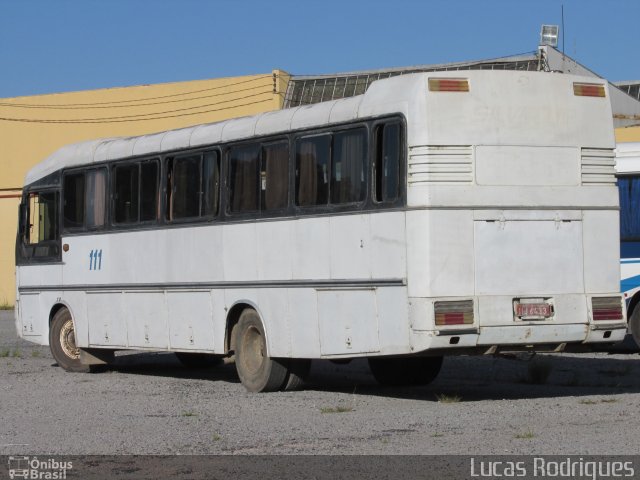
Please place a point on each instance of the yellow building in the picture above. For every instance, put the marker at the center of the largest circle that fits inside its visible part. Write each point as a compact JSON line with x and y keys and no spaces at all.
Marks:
{"x":31,"y":128}
{"x":628,"y":134}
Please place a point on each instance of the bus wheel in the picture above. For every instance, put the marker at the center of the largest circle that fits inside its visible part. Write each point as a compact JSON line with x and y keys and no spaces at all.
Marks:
{"x":398,"y":371}
{"x":62,"y":341}
{"x":257,"y":371}
{"x":198,"y":360}
{"x":634,"y":324}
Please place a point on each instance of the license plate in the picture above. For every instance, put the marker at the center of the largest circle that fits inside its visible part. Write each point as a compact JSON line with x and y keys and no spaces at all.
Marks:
{"x":537,"y":310}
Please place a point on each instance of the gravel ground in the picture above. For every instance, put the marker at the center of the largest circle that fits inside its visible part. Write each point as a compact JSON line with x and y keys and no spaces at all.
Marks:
{"x":150,"y":404}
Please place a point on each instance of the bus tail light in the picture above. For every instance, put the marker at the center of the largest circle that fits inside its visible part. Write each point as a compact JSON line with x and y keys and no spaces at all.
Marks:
{"x":607,"y":308}
{"x":448,"y":85}
{"x":458,"y":312}
{"x":588,"y":90}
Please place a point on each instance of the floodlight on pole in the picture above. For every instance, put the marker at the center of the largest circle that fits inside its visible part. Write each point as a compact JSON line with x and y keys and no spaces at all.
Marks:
{"x":549,"y":35}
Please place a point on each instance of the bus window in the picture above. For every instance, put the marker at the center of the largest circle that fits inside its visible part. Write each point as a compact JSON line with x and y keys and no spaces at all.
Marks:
{"x":96,"y":198}
{"x":274,"y":177}
{"x":243,"y":178}
{"x":194,"y":183}
{"x":312,"y":175}
{"x":39,"y":227}
{"x":387,"y":164}
{"x":186,"y":187}
{"x":210,"y":183}
{"x":84,"y":198}
{"x":136,"y":192}
{"x":148,"y":191}
{"x":348,"y":167}
{"x":126,"y":194}
{"x":73,"y":209}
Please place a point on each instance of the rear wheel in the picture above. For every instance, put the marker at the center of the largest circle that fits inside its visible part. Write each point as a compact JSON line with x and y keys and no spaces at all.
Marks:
{"x":62,"y":341}
{"x":397,"y":371}
{"x":634,"y":324}
{"x":257,"y":371}
{"x":298,"y":373}
{"x":198,"y":360}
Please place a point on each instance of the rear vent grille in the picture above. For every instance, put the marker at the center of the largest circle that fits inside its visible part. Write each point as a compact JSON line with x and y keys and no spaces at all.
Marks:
{"x":598,"y":166}
{"x":440,"y":164}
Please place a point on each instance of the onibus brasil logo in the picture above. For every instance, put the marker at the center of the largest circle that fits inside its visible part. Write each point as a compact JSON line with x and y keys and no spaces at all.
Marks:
{"x":35,"y":468}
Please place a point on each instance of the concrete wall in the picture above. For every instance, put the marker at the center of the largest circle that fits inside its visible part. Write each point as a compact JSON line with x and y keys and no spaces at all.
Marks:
{"x":31,"y":128}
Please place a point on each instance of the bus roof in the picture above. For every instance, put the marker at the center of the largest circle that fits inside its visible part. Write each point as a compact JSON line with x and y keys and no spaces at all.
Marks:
{"x":395,"y":95}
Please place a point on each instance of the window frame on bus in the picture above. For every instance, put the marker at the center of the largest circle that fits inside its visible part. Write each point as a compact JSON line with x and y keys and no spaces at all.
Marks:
{"x":85,"y":172}
{"x":400,"y":199}
{"x":331,"y":132}
{"x":113,"y":166}
{"x":167,"y":190}
{"x":260,"y":144}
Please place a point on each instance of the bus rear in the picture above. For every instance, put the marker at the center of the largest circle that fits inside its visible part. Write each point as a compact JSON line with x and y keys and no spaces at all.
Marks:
{"x":512,"y":221}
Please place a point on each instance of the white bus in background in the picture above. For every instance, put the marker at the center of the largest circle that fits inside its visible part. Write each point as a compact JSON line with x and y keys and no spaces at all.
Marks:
{"x":436,"y":214}
{"x":628,"y":168}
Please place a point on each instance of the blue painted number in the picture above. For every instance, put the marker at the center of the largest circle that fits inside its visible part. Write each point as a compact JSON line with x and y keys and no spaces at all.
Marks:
{"x":95,"y":260}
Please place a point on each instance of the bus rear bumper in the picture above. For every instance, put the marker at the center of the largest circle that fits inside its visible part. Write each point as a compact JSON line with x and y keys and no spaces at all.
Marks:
{"x":528,"y":337}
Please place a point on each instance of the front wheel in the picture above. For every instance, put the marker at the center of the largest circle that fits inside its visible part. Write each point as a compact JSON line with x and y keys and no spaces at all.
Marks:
{"x":257,"y":371}
{"x":397,"y":371}
{"x":62,"y":341}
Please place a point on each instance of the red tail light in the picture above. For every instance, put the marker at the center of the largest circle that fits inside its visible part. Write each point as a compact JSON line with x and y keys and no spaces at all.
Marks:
{"x":607,"y":308}
{"x":454,"y":313}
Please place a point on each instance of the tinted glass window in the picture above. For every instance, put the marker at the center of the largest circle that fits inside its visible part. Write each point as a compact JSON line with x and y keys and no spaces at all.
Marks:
{"x":312,"y":170}
{"x":96,"y":198}
{"x":274,"y":177}
{"x":387,"y":165}
{"x":243,"y":178}
{"x":126,"y":193}
{"x":210,"y":183}
{"x":186,"y":188}
{"x":74,"y":199}
{"x":42,"y":218}
{"x":348,"y":166}
{"x":148,"y":191}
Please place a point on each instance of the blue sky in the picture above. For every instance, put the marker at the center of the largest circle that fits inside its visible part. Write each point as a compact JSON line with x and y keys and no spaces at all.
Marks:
{"x":65,"y":45}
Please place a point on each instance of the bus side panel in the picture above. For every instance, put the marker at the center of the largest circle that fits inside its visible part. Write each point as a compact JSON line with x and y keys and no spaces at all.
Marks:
{"x":303,"y":315}
{"x":440,"y":253}
{"x":601,"y":251}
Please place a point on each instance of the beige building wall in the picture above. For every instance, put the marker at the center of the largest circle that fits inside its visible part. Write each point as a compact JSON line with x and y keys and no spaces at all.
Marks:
{"x":31,"y":128}
{"x":628,"y":134}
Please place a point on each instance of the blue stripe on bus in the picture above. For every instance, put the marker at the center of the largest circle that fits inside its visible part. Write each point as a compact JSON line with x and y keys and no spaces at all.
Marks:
{"x":630,"y":283}
{"x":630,"y":250}
{"x":630,"y":261}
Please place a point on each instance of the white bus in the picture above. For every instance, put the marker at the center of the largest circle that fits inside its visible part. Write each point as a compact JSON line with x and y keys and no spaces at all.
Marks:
{"x":438,"y":213}
{"x":628,"y":168}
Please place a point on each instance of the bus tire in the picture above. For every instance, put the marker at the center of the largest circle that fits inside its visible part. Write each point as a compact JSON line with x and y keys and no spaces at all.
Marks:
{"x":198,"y":360}
{"x":634,"y":325}
{"x":298,"y":373}
{"x":257,"y":371}
{"x":398,"y":371}
{"x":62,"y":341}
